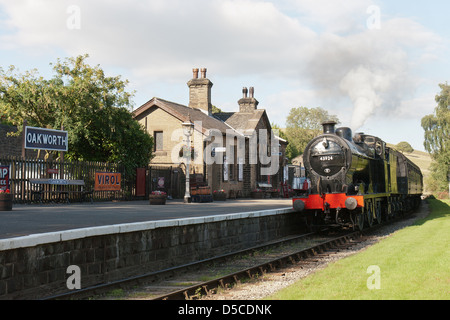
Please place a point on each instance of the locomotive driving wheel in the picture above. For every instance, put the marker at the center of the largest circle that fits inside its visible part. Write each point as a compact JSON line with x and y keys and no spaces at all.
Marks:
{"x":378,"y":212}
{"x":369,"y":213}
{"x":359,"y":220}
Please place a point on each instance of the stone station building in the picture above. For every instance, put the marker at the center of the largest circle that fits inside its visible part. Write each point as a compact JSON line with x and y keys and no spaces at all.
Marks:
{"x":231,"y":151}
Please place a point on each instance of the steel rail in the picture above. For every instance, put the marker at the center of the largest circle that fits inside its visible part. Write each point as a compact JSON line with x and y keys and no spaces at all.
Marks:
{"x":205,"y":288}
{"x":208,"y":286}
{"x":148,"y":277}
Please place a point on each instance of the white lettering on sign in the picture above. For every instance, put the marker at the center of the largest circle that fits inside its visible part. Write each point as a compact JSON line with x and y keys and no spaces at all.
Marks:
{"x":4,"y":177}
{"x":4,"y":172}
{"x":46,"y":139}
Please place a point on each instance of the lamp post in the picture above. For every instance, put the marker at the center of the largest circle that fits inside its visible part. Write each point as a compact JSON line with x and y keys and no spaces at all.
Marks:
{"x":448,"y":175}
{"x":188,"y":129}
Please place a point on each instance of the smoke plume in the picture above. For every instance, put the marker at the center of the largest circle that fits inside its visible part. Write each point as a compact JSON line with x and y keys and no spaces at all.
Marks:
{"x":370,"y":69}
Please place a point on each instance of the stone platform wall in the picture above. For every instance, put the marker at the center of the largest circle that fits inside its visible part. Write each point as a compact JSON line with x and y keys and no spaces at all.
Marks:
{"x":36,"y":266}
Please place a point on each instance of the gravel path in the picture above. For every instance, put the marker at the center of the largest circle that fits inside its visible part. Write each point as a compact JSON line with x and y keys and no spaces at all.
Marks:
{"x":273,"y":282}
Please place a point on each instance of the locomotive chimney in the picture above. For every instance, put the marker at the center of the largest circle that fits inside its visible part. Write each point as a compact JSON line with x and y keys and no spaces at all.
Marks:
{"x":344,"y":132}
{"x":328,"y":126}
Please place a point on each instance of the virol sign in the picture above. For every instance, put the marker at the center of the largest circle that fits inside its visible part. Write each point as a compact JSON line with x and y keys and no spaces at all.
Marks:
{"x":107,"y":181}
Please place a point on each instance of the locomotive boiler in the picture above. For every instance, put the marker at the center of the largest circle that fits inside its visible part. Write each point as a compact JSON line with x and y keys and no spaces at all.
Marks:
{"x":356,"y":181}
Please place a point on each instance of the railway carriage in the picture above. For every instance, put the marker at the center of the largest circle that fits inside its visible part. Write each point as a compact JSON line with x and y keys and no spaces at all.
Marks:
{"x":356,"y":181}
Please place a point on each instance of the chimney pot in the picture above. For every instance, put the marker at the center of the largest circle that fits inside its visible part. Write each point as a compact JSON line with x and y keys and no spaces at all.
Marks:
{"x":244,"y":92}
{"x":195,"y":73}
{"x":203,"y":72}
{"x":200,"y":91}
{"x":252,"y":92}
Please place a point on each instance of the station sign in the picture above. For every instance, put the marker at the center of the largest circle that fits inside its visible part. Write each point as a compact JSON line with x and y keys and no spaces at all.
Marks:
{"x":107,"y":181}
{"x":4,"y":177}
{"x":46,"y":139}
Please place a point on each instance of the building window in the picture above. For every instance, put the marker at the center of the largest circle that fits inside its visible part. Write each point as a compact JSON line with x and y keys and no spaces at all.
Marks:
{"x":158,"y":135}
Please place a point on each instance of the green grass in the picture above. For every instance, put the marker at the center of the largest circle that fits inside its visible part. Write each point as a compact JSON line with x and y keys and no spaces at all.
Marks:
{"x":414,"y":263}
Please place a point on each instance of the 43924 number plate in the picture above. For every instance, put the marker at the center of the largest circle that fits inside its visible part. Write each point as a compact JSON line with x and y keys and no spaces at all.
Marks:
{"x":326,"y":158}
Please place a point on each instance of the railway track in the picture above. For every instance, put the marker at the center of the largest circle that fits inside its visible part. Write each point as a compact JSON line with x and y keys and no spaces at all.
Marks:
{"x":194,"y":280}
{"x":197,"y":279}
{"x":306,"y":255}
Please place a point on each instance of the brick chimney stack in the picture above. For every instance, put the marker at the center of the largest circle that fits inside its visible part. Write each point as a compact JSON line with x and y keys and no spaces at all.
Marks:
{"x":200,"y":91}
{"x":248,"y":104}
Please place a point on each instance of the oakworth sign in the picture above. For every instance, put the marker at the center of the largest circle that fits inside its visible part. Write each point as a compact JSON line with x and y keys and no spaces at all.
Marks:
{"x":46,"y":139}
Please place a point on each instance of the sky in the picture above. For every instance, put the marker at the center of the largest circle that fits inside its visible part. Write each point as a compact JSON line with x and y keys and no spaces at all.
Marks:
{"x":377,"y":65}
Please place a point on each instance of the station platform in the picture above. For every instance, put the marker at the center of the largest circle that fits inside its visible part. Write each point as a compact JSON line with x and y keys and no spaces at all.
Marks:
{"x":26,"y":219}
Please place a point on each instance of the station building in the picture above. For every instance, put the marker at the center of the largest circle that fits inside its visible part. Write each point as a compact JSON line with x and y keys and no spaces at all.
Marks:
{"x":230,"y":151}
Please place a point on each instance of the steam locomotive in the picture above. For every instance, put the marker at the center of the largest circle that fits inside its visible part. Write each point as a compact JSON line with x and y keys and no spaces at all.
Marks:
{"x":356,"y":181}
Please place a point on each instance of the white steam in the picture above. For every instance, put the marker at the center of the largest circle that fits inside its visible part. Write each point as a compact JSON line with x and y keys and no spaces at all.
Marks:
{"x":371,"y":68}
{"x":366,"y":88}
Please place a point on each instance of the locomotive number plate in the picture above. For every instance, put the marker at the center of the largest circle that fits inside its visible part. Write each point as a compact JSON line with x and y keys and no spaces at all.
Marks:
{"x":326,"y":158}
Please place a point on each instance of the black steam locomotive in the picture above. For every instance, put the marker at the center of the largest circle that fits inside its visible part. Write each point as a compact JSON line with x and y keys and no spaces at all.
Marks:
{"x":356,"y":181}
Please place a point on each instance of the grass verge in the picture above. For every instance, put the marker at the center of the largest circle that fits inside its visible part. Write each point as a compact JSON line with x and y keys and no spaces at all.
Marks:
{"x":414,"y":263}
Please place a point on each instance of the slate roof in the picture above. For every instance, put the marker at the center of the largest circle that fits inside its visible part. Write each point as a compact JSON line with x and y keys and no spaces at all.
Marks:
{"x":183,"y":113}
{"x":240,"y":122}
{"x":246,"y":121}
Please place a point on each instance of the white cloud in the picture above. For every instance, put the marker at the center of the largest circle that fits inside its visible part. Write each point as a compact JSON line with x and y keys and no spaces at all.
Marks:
{"x":372,"y":67}
{"x":332,"y":16}
{"x":323,"y":47}
{"x":163,"y":38}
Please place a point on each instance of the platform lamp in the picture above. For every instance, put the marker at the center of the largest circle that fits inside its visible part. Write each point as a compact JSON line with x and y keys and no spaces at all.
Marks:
{"x":188,"y":130}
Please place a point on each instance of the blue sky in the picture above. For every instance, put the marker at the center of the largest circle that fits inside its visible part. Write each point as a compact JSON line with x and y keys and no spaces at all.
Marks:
{"x":375,"y":64}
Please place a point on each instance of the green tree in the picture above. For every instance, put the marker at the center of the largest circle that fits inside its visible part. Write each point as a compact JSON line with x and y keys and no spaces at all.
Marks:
{"x":404,"y":147}
{"x":93,"y":108}
{"x":302,"y":125}
{"x":291,"y":152}
{"x":437,"y":133}
{"x":28,"y":96}
{"x":279,"y":131}
{"x":216,"y":109}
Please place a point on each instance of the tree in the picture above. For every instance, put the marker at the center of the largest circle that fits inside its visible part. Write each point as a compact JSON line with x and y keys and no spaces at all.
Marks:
{"x":302,"y":125}
{"x":404,"y":147}
{"x":291,"y":152}
{"x":28,"y":96}
{"x":278,"y":130}
{"x":437,"y":142}
{"x":93,"y":108}
{"x":216,"y":109}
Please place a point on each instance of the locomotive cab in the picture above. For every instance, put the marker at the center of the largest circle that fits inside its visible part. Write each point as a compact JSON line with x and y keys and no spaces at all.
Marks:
{"x":373,"y":146}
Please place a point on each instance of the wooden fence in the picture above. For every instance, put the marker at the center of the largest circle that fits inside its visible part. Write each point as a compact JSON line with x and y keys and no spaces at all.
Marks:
{"x":22,"y":170}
